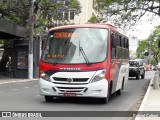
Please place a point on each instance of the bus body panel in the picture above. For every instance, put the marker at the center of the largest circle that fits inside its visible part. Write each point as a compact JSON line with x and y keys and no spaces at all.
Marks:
{"x":119,"y":74}
{"x":95,"y":89}
{"x":116,"y":72}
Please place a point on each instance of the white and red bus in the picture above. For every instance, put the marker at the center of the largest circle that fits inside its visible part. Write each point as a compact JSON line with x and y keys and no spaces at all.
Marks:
{"x":89,"y":60}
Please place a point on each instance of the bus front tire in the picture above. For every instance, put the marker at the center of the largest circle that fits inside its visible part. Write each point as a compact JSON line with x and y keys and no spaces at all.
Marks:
{"x":104,"y":100}
{"x":48,"y":98}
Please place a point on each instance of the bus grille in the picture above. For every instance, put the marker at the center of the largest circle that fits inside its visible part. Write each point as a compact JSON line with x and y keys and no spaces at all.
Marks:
{"x":57,"y":79}
{"x":71,"y":89}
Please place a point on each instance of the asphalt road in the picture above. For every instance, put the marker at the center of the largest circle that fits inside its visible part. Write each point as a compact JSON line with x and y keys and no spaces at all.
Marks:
{"x":25,"y":97}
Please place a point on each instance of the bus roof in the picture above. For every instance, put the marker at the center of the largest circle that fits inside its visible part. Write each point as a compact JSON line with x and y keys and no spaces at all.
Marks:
{"x":80,"y":26}
{"x":90,"y":25}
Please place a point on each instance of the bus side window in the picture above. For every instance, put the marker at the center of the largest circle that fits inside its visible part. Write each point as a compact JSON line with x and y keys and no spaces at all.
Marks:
{"x":127,"y":43}
{"x":120,"y":41}
{"x":113,"y":45}
{"x":123,"y":42}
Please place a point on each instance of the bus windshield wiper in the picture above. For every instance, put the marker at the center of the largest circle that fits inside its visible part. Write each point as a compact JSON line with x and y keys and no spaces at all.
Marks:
{"x":84,"y":54}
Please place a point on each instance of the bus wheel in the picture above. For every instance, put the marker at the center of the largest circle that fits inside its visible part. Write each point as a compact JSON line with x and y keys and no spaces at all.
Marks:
{"x":48,"y":98}
{"x":104,"y":100}
{"x":119,"y":92}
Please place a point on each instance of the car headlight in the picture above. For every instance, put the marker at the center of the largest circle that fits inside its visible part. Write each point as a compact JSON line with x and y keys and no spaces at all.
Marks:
{"x":44,"y":76}
{"x":99,"y":77}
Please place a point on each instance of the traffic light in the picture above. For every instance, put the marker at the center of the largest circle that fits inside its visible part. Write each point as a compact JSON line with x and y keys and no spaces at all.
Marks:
{"x":146,"y":53}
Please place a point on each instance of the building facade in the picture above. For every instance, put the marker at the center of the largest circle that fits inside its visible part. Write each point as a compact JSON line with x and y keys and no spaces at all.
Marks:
{"x":69,"y":17}
{"x":133,"y":44}
{"x":86,"y":14}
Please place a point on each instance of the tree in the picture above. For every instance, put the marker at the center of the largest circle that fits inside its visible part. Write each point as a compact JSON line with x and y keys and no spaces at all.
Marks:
{"x":150,"y":44}
{"x":154,"y":40}
{"x":15,"y":10}
{"x":126,"y":13}
{"x":141,"y":49}
{"x":47,"y":13}
{"x":93,"y":19}
{"x":49,"y":10}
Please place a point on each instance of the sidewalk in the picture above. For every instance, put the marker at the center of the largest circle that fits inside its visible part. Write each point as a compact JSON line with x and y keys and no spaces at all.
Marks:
{"x":151,"y":102}
{"x":6,"y":79}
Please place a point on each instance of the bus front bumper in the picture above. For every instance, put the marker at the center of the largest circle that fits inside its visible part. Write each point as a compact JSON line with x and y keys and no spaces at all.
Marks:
{"x":97,"y":89}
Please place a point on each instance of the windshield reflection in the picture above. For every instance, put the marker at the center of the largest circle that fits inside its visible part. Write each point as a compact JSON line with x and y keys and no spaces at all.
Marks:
{"x":62,"y":46}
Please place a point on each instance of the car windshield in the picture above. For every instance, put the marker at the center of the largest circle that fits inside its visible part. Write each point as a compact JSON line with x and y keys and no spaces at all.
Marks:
{"x":76,"y":45}
{"x":133,"y":63}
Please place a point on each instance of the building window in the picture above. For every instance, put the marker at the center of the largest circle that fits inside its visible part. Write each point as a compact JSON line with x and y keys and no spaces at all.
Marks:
{"x":66,"y":15}
{"x":22,"y":59}
{"x":71,"y":15}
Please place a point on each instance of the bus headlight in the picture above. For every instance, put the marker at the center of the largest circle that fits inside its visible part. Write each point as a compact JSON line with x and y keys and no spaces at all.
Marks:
{"x":44,"y":76}
{"x":99,"y":76}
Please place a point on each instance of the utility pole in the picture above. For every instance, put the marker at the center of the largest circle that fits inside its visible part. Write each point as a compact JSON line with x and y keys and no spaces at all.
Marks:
{"x":150,"y":56}
{"x":31,"y":26}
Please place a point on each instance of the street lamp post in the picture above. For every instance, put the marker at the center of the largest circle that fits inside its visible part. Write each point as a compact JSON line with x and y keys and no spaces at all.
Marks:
{"x":31,"y":26}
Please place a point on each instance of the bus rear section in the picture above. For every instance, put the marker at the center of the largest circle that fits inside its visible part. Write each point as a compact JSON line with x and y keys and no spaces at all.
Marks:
{"x":76,"y":63}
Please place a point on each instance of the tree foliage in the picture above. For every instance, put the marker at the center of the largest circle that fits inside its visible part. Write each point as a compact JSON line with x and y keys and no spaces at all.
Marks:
{"x":150,"y":44}
{"x":49,"y":11}
{"x":16,"y":11}
{"x":153,"y":40}
{"x":141,"y":49}
{"x":93,"y":19}
{"x":122,"y":12}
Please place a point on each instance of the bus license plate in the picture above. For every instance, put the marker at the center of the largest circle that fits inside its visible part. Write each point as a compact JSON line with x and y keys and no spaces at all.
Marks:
{"x":69,"y":94}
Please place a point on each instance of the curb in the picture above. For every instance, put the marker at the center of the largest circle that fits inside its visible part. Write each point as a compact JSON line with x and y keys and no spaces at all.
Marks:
{"x":16,"y":81}
{"x":145,"y":98}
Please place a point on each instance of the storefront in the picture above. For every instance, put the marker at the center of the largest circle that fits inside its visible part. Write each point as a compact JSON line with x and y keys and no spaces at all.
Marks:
{"x":9,"y":32}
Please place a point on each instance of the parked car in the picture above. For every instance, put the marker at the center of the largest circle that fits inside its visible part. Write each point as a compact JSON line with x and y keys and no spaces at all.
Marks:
{"x":136,"y":69}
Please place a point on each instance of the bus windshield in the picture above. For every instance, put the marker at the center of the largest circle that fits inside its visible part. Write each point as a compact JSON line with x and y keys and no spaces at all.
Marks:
{"x":76,"y":45}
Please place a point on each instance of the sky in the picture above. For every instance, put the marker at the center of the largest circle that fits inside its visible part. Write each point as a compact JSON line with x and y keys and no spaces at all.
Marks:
{"x":144,"y":28}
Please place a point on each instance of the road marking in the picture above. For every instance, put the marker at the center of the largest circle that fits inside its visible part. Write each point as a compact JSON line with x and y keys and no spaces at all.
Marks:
{"x":15,"y":89}
{"x":17,"y":81}
{"x":2,"y":92}
{"x":37,"y":96}
{"x":26,"y":87}
{"x":36,"y":86}
{"x":4,"y":83}
{"x":13,"y":81}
